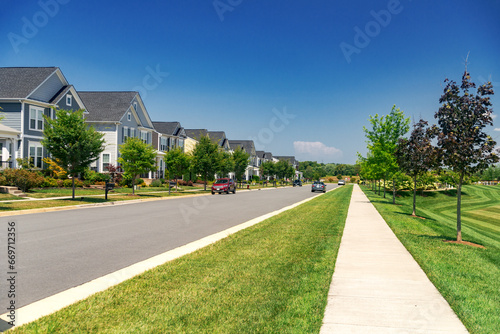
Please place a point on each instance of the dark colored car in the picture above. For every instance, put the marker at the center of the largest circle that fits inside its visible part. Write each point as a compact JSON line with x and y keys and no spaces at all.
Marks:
{"x":297,"y":183}
{"x":224,"y":186}
{"x":318,"y":186}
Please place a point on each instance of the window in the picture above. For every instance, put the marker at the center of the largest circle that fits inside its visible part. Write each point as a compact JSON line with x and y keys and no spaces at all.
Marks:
{"x":164,"y":144}
{"x":36,"y":153}
{"x":181,"y":143}
{"x":132,"y":133}
{"x":125,"y":133}
{"x":1,"y":154}
{"x":135,"y":106}
{"x":36,"y":118}
{"x":129,"y":116}
{"x":69,"y":100}
{"x":105,"y":161}
{"x":144,"y":136}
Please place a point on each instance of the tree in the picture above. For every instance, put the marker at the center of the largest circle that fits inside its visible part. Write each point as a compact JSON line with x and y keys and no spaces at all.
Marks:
{"x":417,"y":155}
{"x":382,"y":140}
{"x":267,"y":169}
{"x":137,"y":157}
{"x":177,"y":163}
{"x":226,"y":164}
{"x":240,"y":158}
{"x":281,"y":169}
{"x":308,"y":173}
{"x":71,"y":142}
{"x":206,"y":159}
{"x":465,"y":148}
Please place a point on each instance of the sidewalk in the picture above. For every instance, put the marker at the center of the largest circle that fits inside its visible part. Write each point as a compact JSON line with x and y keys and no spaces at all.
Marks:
{"x":377,"y":286}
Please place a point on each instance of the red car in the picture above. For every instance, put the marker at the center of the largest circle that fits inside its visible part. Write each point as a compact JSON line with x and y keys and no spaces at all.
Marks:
{"x":224,"y":186}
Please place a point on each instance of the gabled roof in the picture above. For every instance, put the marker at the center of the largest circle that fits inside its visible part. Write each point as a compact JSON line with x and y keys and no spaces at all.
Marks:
{"x":107,"y":106}
{"x":20,"y":82}
{"x":260,"y":154}
{"x":290,"y":159}
{"x":168,"y":128}
{"x":196,"y":133}
{"x":217,"y":135}
{"x":247,"y":145}
{"x":268,"y":156}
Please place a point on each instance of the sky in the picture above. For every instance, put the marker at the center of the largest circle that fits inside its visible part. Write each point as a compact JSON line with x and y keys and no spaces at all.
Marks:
{"x":298,"y":77}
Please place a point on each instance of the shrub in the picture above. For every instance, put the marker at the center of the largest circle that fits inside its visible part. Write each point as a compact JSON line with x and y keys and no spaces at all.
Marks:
{"x":22,"y":178}
{"x":255,"y":178}
{"x":190,"y":183}
{"x":3,"y":180}
{"x":156,"y":183}
{"x":49,"y":182}
{"x":69,"y":183}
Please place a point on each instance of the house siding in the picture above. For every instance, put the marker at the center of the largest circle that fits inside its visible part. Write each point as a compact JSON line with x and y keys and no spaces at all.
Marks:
{"x":62,"y":103}
{"x":12,"y":115}
{"x":48,"y":89}
{"x":27,"y":131}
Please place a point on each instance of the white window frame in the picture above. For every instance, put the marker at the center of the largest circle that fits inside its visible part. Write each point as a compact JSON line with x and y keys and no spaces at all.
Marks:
{"x":144,"y":136}
{"x":38,"y":153}
{"x":103,"y":169}
{"x":135,"y":107}
{"x":37,"y":111}
{"x":125,"y":133}
{"x":129,"y":116}
{"x":69,"y":100}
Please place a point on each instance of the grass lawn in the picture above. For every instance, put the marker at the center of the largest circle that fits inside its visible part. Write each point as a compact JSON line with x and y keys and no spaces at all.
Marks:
{"x":269,"y":278}
{"x":468,"y":277}
{"x":9,"y":197}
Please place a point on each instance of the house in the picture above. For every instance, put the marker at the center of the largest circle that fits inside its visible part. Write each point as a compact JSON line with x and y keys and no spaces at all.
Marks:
{"x":220,"y":138}
{"x":27,"y":94}
{"x":118,"y":115}
{"x":249,"y":147}
{"x":167,"y":136}
{"x":292,"y":161}
{"x":192,"y":138}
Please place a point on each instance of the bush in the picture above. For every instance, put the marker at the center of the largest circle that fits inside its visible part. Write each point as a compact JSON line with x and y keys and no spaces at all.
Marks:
{"x":69,"y":183}
{"x":127,"y":180}
{"x":23,"y":179}
{"x":156,"y":183}
{"x":255,"y":178}
{"x":93,"y":176}
{"x":3,"y":180}
{"x":49,"y":182}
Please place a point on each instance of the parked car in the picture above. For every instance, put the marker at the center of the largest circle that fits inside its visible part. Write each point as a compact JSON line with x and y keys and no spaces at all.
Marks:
{"x":224,"y":185}
{"x":318,"y":186}
{"x":341,"y":183}
{"x":297,"y":183}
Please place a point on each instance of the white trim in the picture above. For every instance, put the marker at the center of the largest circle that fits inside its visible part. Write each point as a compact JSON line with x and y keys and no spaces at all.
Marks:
{"x":70,"y":98}
{"x":146,"y":114}
{"x":37,"y":110}
{"x":129,"y":116}
{"x":32,"y":137}
{"x":36,"y":145}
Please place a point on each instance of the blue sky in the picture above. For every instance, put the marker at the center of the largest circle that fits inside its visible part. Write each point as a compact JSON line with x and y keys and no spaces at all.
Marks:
{"x":300,"y":78}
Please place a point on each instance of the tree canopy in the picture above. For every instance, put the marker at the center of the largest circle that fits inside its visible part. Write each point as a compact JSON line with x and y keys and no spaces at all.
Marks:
{"x":137,"y":157}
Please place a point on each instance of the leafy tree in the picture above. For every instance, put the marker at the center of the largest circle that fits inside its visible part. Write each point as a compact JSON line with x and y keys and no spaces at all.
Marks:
{"x":308,"y":173}
{"x":465,"y":148}
{"x":382,"y":140}
{"x":240,"y":158}
{"x":267,"y":169}
{"x":281,"y":169}
{"x":177,"y":163}
{"x":206,"y":159}
{"x":137,"y":157}
{"x":71,"y":142}
{"x":54,"y":166}
{"x":417,"y":155}
{"x":226,"y":163}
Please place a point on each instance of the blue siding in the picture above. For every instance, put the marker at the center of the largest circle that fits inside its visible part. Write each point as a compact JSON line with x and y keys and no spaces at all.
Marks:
{"x":62,"y":103}
{"x":48,"y":90}
{"x":12,"y":115}
{"x":27,"y":130}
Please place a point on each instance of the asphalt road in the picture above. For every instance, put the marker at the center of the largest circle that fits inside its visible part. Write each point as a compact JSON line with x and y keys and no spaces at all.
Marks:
{"x":56,"y":251}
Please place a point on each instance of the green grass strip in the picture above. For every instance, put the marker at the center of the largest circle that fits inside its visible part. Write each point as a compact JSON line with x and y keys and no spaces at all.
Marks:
{"x":273,"y":277}
{"x":467,"y":277}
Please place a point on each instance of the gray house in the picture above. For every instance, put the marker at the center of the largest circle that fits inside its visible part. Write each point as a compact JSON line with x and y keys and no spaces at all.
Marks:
{"x":118,"y":115}
{"x":249,"y":147}
{"x":26,"y":95}
{"x":167,"y":136}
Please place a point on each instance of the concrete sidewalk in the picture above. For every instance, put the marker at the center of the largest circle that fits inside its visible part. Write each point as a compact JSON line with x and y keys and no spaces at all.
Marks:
{"x":377,"y":286}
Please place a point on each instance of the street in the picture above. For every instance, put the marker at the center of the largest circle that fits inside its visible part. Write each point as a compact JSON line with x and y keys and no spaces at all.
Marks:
{"x":60,"y":250}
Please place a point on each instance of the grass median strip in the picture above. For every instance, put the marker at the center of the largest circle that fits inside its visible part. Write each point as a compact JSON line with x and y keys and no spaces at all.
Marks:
{"x":271,"y":277}
{"x":468,"y":277}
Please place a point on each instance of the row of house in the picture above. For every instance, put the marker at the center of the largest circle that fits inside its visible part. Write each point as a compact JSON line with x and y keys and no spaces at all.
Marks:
{"x":29,"y":93}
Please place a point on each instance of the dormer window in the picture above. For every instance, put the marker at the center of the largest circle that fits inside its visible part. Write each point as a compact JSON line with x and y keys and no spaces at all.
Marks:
{"x":69,"y":100}
{"x":129,"y":116}
{"x":135,"y":106}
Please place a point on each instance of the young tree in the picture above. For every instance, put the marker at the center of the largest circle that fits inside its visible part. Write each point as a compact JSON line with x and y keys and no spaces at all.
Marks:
{"x":465,"y":147}
{"x":206,"y":159}
{"x":417,"y":155}
{"x":226,"y":164}
{"x":282,"y":169}
{"x":177,"y":163}
{"x":240,"y":158}
{"x":382,"y":140}
{"x":137,"y":157}
{"x":267,"y":169}
{"x":71,"y":142}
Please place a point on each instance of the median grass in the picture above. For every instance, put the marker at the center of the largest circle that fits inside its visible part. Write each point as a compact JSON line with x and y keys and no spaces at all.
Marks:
{"x":269,"y":278}
{"x":468,"y":277}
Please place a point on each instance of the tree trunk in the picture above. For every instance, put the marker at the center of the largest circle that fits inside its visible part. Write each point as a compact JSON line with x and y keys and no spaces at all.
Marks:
{"x":73,"y":185}
{"x":133,"y":185}
{"x":459,"y":206}
{"x":393,"y":190}
{"x":414,"y":196}
{"x":384,"y":187}
{"x":205,"y":183}
{"x":176,"y":184}
{"x":379,"y":187}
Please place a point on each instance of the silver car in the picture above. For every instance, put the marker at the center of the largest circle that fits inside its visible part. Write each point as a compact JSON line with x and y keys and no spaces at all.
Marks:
{"x":341,"y":183}
{"x":318,"y":186}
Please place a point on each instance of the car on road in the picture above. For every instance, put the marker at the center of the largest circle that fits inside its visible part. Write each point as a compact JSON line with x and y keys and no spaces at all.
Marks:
{"x":297,"y":183}
{"x":341,"y":183}
{"x":318,"y":186}
{"x":224,"y":185}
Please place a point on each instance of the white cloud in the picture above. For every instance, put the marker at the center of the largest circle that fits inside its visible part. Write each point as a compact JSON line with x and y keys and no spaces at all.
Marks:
{"x":315,"y":150}
{"x":497,"y":129}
